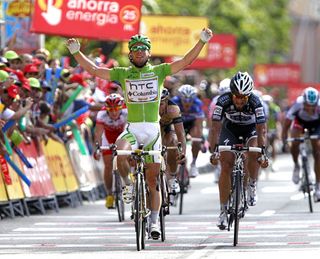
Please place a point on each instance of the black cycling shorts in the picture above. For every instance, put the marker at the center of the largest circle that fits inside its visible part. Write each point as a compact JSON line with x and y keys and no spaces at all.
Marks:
{"x":230,"y":133}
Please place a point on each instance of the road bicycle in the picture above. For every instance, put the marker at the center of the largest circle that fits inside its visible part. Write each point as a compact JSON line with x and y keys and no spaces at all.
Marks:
{"x":306,"y":184}
{"x":237,"y":203}
{"x":139,"y":209}
{"x":116,"y":187}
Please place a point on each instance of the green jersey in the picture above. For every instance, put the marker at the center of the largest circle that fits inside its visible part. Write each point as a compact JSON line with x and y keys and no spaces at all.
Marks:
{"x":142,"y":89}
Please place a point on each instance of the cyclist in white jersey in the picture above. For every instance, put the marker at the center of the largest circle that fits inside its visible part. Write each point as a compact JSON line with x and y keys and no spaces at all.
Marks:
{"x":304,"y":114}
{"x":142,"y":84}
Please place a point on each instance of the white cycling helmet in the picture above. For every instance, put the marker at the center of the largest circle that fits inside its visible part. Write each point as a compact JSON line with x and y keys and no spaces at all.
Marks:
{"x":187,"y":92}
{"x":310,"y":96}
{"x":241,"y":84}
{"x":224,"y":86}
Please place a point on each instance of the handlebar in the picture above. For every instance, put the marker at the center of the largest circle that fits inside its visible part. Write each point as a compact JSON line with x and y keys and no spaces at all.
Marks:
{"x":303,"y":138}
{"x":240,"y":148}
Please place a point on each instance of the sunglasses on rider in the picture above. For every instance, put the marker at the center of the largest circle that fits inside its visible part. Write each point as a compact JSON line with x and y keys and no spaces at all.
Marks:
{"x":113,"y":108}
{"x":140,"y":47}
{"x":241,"y":97}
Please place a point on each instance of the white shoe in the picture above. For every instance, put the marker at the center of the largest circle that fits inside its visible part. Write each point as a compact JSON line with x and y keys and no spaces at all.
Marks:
{"x":222,"y":223}
{"x":174,"y":186}
{"x":296,"y":174}
{"x":194,"y":171}
{"x":127,"y":193}
{"x":155,"y":231}
{"x":252,"y":194}
{"x":316,"y":194}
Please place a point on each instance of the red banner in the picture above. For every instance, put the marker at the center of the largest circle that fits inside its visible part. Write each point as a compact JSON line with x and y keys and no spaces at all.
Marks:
{"x":222,"y":53}
{"x":39,"y":175}
{"x":98,"y":19}
{"x":276,"y":74}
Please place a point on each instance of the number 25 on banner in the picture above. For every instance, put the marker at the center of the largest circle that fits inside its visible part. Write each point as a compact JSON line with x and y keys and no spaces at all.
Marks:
{"x":129,"y":15}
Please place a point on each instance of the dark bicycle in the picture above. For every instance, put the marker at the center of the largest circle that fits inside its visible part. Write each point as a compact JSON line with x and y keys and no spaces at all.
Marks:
{"x":237,"y":203}
{"x":306,"y":184}
{"x":140,"y":211}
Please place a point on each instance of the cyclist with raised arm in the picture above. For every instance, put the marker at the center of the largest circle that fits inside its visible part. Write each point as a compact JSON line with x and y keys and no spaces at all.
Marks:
{"x":238,"y":113}
{"x":192,"y":116}
{"x":110,"y":123}
{"x":142,"y":84}
{"x":304,"y":114}
{"x":172,"y":132}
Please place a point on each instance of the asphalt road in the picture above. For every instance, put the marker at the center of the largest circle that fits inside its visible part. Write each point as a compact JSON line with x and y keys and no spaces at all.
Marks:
{"x":279,"y":225}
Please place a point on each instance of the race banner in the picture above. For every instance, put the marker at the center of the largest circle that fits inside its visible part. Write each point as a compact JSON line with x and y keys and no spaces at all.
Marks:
{"x":172,"y":35}
{"x":39,"y":175}
{"x":60,"y":167}
{"x":276,"y":74}
{"x":14,"y":190}
{"x":98,"y":19}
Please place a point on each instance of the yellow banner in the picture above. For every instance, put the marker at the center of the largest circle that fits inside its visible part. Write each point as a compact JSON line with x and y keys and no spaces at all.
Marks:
{"x":59,"y":164}
{"x":172,"y":35}
{"x":15,"y":190}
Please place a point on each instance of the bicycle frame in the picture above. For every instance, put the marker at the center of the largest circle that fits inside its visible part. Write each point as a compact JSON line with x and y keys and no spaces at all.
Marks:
{"x":237,"y":204}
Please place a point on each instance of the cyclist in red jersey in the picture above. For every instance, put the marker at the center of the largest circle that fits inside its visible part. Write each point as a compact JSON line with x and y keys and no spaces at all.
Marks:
{"x":109,"y":125}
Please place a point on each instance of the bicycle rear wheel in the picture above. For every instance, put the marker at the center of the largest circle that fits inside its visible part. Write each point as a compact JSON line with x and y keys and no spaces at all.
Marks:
{"x":306,"y":171}
{"x":238,"y":184}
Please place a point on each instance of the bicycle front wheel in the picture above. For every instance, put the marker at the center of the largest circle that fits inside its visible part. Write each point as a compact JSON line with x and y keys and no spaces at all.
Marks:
{"x":139,"y":219}
{"x":183,"y":181}
{"x":238,"y":185}
{"x":118,"y":197}
{"x":306,"y":171}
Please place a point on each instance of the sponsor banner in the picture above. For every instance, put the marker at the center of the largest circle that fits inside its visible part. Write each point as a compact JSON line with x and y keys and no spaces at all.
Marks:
{"x":222,"y":53}
{"x":98,"y":19}
{"x":14,"y":190}
{"x":172,"y":35}
{"x":276,"y":74}
{"x":17,"y":24}
{"x":41,"y":183}
{"x":62,"y":174}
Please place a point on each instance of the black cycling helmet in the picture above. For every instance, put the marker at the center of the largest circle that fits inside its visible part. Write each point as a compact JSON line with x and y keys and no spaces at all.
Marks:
{"x":165,"y":94}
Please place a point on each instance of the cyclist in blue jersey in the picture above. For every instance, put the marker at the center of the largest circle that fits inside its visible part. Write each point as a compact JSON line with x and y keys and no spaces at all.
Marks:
{"x":192,"y":116}
{"x":238,"y":113}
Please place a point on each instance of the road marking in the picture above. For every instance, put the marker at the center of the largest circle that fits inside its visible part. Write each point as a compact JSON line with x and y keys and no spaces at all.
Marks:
{"x":267,"y":213}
